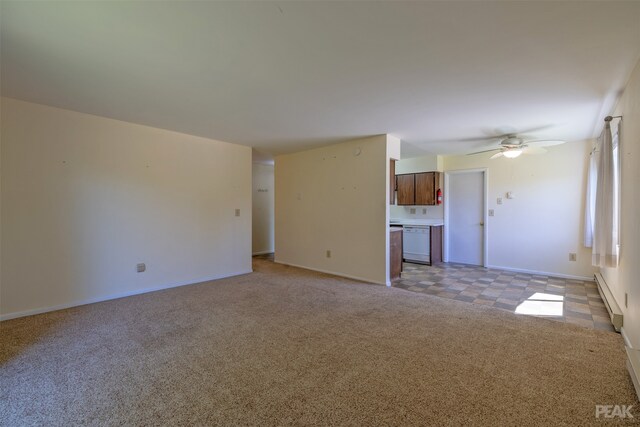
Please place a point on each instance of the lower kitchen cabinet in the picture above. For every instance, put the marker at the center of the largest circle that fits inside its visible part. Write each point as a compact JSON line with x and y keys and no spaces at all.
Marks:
{"x":395,"y":252}
{"x":436,"y":244}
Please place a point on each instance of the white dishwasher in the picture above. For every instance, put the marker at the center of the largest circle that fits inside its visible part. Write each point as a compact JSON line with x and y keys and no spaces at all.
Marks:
{"x":416,"y":243}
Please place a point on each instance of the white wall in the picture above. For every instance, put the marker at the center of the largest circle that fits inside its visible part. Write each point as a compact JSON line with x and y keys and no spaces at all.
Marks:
{"x":626,"y":278}
{"x":85,"y":198}
{"x":543,"y":223}
{"x":263,"y":211}
{"x":420,"y":164}
{"x":331,"y":199}
{"x":416,"y":165}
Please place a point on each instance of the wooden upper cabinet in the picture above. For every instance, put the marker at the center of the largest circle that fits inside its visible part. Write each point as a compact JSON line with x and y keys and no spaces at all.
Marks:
{"x":406,"y":189}
{"x":418,"y":189}
{"x":426,"y":188}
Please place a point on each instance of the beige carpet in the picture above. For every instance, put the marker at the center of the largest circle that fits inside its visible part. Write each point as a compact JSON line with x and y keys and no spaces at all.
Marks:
{"x":288,"y":346}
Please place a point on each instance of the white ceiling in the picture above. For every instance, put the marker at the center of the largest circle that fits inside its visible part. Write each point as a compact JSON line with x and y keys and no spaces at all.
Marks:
{"x":283,"y":76}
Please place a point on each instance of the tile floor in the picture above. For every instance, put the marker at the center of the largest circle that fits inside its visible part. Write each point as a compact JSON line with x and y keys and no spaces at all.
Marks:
{"x":564,"y":300}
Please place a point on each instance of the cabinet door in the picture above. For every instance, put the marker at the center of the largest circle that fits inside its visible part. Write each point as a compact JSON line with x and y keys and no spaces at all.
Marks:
{"x":406,"y":189}
{"x":395,"y":253}
{"x":425,"y":188}
{"x":436,"y":244}
{"x":392,"y":182}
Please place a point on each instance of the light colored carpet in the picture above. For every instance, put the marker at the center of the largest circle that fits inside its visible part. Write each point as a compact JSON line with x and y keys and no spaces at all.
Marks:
{"x":288,"y":346}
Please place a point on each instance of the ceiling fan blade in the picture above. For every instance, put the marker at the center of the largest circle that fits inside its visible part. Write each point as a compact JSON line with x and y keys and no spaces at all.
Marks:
{"x":497,"y":155}
{"x":507,"y":130}
{"x":485,"y":151}
{"x":534,"y":150}
{"x":473,"y":139}
{"x":545,"y":142}
{"x":504,"y":131}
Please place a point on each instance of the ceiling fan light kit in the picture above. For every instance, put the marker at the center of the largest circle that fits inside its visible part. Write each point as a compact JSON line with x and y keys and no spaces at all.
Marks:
{"x":512,"y":154}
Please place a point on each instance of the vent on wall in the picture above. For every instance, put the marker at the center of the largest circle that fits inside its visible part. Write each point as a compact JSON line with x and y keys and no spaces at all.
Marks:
{"x":607,"y":297}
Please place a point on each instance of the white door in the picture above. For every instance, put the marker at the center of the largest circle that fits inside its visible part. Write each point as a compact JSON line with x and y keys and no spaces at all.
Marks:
{"x":466,"y":217}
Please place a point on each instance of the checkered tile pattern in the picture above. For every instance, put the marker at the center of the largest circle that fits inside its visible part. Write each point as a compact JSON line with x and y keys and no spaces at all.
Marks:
{"x":581,"y":303}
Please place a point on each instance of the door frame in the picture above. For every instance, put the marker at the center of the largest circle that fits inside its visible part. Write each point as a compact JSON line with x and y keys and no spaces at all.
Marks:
{"x":485,"y":212}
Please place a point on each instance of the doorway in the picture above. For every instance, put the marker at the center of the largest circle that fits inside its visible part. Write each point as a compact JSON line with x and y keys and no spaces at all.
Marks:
{"x":263,"y":208}
{"x":465,"y":221}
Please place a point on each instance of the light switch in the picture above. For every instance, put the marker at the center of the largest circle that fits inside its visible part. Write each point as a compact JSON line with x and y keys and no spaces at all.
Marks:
{"x":491,"y":212}
{"x":237,"y":212}
{"x":499,"y":200}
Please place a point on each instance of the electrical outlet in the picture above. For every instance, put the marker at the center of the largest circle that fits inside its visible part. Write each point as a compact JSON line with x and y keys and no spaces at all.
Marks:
{"x":573,"y":257}
{"x":424,"y":210}
{"x":491,"y":212}
{"x":328,"y":253}
{"x":237,"y":212}
{"x":499,"y":200}
{"x":141,"y":268}
{"x":412,"y":211}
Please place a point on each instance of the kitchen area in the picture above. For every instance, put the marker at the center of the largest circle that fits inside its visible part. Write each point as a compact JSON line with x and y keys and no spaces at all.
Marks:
{"x":416,"y":212}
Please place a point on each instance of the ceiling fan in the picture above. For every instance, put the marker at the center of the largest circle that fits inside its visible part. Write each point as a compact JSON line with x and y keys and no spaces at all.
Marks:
{"x":512,"y":145}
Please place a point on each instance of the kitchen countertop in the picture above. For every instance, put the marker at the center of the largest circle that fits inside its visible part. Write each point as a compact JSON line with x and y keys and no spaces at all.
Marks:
{"x":403,"y":221}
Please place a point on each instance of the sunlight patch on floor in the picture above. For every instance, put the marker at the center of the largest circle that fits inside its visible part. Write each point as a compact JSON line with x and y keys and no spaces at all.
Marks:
{"x":541,"y":304}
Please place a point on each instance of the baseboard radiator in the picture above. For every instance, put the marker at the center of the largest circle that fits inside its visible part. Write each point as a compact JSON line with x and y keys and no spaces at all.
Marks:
{"x":612,"y":306}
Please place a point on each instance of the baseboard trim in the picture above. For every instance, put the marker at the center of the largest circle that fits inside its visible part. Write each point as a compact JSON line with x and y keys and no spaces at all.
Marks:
{"x":261,"y":253}
{"x":633,"y":361}
{"x":633,"y":366}
{"x":333,"y":273}
{"x":625,"y":337}
{"x":78,"y":303}
{"x":542,"y":273}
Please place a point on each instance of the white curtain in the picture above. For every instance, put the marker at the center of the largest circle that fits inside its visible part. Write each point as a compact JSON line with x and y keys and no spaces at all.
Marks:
{"x":605,"y":212}
{"x":590,"y":205}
